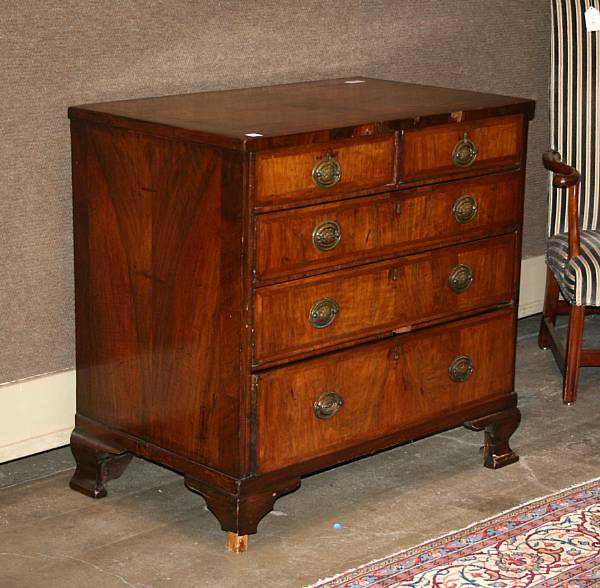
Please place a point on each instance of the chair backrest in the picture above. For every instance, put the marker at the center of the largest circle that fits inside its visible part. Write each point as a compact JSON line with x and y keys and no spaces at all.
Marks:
{"x":575,"y":111}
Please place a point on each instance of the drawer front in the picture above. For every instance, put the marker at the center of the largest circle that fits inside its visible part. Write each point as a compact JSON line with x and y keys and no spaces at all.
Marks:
{"x":285,"y":176}
{"x":390,"y":224}
{"x":326,"y":404}
{"x":453,"y":149}
{"x":313,"y":313}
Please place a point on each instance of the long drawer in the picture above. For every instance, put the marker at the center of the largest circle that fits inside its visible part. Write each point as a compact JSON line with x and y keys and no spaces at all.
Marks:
{"x":313,"y":313}
{"x":390,"y":224}
{"x":322,"y":405}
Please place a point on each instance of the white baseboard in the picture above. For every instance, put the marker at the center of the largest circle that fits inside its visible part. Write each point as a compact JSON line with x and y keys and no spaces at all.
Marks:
{"x":36,"y":414}
{"x":533,"y":285}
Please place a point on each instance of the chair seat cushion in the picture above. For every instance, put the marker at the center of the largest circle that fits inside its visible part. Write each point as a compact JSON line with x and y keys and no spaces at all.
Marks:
{"x":578,"y":277}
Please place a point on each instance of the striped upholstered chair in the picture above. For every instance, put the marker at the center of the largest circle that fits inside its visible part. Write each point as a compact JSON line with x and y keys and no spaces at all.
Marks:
{"x":573,"y":251}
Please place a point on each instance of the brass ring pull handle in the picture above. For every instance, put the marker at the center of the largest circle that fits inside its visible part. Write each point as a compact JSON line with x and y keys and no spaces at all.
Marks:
{"x":327,"y":405}
{"x":461,"y":368}
{"x":327,"y":235}
{"x":464,"y":152}
{"x":327,"y":172}
{"x":461,"y":278}
{"x":464,"y":209}
{"x":323,"y":312}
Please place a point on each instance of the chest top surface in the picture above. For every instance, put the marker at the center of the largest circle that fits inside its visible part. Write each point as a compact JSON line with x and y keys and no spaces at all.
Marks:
{"x":228,"y":117}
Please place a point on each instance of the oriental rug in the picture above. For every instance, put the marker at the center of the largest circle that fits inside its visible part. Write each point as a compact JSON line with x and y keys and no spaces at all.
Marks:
{"x":552,"y":541}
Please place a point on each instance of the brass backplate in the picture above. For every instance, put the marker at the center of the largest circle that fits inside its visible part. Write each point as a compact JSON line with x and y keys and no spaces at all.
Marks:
{"x":327,"y":172}
{"x":464,"y":152}
{"x":327,"y":405}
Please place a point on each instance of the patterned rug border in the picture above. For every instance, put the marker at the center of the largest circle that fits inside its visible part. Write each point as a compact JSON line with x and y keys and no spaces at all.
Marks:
{"x":451,"y":535}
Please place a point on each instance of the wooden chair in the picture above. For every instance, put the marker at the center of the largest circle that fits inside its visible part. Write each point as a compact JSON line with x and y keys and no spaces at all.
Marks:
{"x":573,"y":260}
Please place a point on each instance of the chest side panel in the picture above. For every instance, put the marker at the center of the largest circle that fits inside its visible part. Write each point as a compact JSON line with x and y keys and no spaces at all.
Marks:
{"x":158,"y":238}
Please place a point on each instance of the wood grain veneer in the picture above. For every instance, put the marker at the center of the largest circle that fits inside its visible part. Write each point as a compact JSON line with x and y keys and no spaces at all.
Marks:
{"x":285,"y":175}
{"x":428,"y":152}
{"x":196,"y":269}
{"x":384,"y":225}
{"x":380,"y":297}
{"x":140,"y":223}
{"x":385,"y":386}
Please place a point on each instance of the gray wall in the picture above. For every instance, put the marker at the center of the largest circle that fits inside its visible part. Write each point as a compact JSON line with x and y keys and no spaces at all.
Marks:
{"x":62,"y":52}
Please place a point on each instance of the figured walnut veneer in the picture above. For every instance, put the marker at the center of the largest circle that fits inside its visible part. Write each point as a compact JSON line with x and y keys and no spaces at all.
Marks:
{"x":384,"y":225}
{"x":281,"y":176}
{"x":379,"y":297}
{"x":245,"y":326}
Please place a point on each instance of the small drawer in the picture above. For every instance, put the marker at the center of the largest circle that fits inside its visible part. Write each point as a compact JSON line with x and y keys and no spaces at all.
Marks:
{"x":318,"y":237}
{"x":456,"y":148}
{"x":313,"y":313}
{"x":288,"y":175}
{"x":322,"y":405}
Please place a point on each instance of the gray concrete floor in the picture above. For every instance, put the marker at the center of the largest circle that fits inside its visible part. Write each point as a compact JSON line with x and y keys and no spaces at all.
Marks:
{"x":152,"y":532}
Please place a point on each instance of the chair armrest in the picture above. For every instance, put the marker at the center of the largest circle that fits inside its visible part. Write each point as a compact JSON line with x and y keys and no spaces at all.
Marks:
{"x":566,"y":176}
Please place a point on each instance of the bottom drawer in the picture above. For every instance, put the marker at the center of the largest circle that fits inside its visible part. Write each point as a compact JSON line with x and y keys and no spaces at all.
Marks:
{"x":325,"y":404}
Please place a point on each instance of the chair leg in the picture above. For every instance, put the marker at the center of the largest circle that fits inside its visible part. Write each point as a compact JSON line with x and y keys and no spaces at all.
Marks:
{"x":550,"y":308}
{"x":573,"y":353}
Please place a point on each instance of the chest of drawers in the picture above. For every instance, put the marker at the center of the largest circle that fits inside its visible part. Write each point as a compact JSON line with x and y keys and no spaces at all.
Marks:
{"x":272,"y":281}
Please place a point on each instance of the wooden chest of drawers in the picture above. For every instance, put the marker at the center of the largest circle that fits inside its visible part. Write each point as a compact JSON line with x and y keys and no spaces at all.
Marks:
{"x":272,"y":281}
